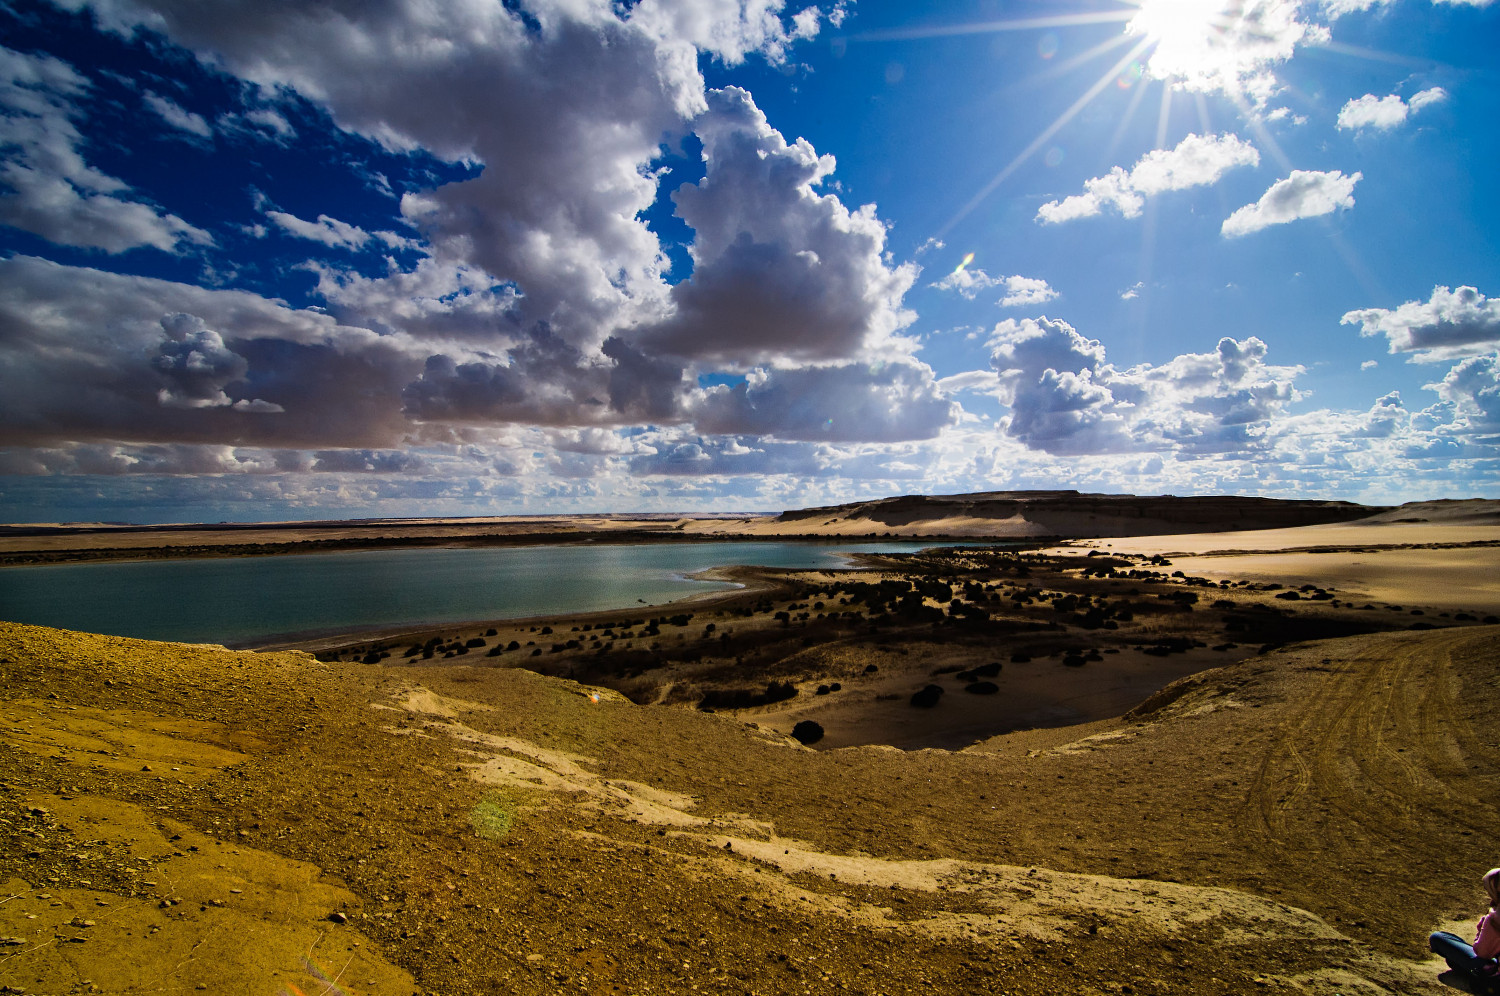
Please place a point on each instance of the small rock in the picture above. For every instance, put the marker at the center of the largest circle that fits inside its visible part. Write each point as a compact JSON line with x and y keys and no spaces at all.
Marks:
{"x":338,"y":917}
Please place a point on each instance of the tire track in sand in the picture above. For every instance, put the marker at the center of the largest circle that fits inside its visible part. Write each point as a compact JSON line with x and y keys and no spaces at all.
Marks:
{"x":1375,"y":749}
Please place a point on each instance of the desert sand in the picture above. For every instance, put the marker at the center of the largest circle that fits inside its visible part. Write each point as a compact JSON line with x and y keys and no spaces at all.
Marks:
{"x":1234,"y":792}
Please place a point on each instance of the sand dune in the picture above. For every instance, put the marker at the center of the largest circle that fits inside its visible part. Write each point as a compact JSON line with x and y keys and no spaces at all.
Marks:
{"x":1451,"y":561}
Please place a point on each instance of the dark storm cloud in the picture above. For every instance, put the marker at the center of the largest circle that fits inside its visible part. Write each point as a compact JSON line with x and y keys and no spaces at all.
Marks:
{"x":641,"y":387}
{"x":88,"y":356}
{"x":544,"y":381}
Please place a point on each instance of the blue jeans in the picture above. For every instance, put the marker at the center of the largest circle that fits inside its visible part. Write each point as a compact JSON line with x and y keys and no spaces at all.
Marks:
{"x":1459,"y":955}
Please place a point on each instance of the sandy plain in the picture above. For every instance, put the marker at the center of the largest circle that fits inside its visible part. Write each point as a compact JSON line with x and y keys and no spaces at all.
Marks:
{"x":1291,"y":813}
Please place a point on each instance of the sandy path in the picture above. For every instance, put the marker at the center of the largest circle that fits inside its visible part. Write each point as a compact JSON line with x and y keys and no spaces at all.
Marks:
{"x":1380,"y":746}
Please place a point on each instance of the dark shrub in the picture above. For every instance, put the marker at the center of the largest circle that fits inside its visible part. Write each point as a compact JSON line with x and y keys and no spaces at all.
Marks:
{"x":822,"y":690}
{"x":927,"y":697}
{"x":982,"y":688}
{"x":1020,"y":658}
{"x":807,"y":732}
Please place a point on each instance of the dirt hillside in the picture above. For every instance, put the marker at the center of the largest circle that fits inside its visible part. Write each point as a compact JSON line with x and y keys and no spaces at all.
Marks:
{"x":187,"y":819}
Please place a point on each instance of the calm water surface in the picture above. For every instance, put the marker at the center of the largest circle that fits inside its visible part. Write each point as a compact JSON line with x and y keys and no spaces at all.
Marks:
{"x":249,"y":600}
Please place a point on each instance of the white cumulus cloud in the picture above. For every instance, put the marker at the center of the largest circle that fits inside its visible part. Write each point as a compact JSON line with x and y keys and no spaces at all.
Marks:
{"x":46,"y":186}
{"x":1019,"y":291}
{"x":967,"y":281}
{"x":1303,"y":194}
{"x":1198,"y":160}
{"x":1065,"y":398}
{"x":1386,"y":112}
{"x":1448,"y":325}
{"x":330,"y":231}
{"x":177,"y":116}
{"x":782,"y":271}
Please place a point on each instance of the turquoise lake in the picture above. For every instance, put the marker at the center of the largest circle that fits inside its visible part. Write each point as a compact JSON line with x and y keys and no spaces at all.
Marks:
{"x":247,"y":601}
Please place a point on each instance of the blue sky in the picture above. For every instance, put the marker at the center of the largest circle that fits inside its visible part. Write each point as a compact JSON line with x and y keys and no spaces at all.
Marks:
{"x":272,"y":260}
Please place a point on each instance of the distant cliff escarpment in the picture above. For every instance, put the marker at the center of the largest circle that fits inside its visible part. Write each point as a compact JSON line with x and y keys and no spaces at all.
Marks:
{"x":1073,"y":513}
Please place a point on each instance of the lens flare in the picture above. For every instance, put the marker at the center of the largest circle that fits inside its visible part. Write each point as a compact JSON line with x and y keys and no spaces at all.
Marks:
{"x":968,"y":258}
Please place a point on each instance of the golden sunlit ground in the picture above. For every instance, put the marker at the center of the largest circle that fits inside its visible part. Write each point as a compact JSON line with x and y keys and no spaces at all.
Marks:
{"x":1292,"y":815}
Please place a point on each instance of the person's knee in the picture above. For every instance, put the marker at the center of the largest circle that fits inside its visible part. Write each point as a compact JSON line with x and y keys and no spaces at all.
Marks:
{"x":1446,"y":944}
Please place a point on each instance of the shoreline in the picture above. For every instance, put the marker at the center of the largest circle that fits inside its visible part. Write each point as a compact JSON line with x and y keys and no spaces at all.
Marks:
{"x":747,"y":578}
{"x":58,"y":558}
{"x":339,"y":638}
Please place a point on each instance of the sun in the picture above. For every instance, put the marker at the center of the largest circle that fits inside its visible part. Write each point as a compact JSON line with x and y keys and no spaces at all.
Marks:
{"x":1192,"y":40}
{"x":1201,"y":47}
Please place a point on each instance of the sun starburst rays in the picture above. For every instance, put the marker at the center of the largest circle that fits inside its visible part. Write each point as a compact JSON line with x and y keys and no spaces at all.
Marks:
{"x":1108,"y":77}
{"x":1194,"y":48}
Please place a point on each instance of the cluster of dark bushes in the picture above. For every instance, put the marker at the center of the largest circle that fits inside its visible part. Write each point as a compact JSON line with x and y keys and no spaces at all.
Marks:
{"x":441,"y":645}
{"x":1169,"y":645}
{"x":746,"y":698}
